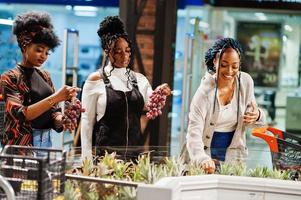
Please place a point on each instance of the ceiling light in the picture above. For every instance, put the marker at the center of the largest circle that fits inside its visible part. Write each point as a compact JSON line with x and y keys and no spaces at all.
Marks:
{"x":261,"y":16}
{"x":85,"y":8}
{"x":68,"y":7}
{"x":8,"y":22}
{"x":284,"y":38}
{"x":85,"y":14}
{"x":288,"y":28}
{"x":202,"y":24}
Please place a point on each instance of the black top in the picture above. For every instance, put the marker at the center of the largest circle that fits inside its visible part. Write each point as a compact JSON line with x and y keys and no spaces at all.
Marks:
{"x":120,"y":125}
{"x":39,"y":90}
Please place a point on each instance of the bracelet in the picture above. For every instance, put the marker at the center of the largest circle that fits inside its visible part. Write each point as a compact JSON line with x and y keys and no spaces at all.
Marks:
{"x":258,"y":115}
{"x":50,"y":101}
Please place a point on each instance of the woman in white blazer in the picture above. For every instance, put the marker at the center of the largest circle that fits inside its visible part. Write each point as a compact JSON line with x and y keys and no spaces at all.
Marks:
{"x":222,"y":107}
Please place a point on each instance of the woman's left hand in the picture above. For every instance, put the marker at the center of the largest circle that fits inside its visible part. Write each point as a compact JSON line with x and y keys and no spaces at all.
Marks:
{"x":165,"y":89}
{"x":252,"y":115}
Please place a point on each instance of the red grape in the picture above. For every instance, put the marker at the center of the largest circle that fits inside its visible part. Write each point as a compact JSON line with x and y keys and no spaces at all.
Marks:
{"x":155,"y":104}
{"x":72,"y":113}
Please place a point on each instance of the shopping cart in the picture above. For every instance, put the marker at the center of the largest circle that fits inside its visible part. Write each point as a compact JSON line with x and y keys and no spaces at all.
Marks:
{"x":6,"y":189}
{"x":285,"y":147}
{"x":34,"y":173}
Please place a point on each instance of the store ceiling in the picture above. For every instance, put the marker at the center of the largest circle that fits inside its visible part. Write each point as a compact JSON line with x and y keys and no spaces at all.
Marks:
{"x":259,"y":4}
{"x":246,"y":15}
{"x":102,"y":3}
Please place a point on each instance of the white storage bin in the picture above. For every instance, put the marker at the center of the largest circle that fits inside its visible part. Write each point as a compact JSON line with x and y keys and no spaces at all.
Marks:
{"x":220,"y":187}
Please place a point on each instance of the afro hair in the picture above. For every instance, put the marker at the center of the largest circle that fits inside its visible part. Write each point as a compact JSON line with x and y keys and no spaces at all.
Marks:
{"x":38,"y":22}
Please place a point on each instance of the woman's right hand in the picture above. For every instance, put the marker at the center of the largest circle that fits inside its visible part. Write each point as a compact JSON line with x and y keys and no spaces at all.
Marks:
{"x":165,"y":89}
{"x":65,"y":93}
{"x":208,"y":166}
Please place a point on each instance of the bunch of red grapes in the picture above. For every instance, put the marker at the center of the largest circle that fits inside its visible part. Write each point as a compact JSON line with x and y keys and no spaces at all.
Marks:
{"x":156,"y":103}
{"x":72,"y":113}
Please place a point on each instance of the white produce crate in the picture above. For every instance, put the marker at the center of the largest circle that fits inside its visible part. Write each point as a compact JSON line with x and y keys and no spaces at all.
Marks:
{"x":219,"y":187}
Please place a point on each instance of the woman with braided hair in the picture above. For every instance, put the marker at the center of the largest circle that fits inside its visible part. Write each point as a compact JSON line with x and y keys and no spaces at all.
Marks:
{"x":222,"y":108}
{"x":114,"y":96}
{"x":31,"y":109}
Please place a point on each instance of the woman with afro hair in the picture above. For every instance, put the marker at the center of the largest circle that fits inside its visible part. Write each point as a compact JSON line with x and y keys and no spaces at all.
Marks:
{"x":222,"y":108}
{"x":31,"y":103}
{"x":114,"y":96}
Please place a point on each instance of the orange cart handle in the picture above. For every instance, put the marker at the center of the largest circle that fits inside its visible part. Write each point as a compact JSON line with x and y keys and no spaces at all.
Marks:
{"x":270,"y":140}
{"x":276,"y":132}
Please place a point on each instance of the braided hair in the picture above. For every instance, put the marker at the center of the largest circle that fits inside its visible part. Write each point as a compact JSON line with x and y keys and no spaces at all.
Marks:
{"x":218,"y":48}
{"x":35,"y":27}
{"x":110,"y":30}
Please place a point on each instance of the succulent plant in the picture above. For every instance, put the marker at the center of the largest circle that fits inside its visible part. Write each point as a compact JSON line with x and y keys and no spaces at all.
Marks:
{"x":262,"y":172}
{"x":237,"y":169}
{"x":279,"y":174}
{"x":194,"y":169}
{"x":71,"y":193}
{"x":175,"y":166}
{"x":87,"y":167}
{"x":127,"y":193}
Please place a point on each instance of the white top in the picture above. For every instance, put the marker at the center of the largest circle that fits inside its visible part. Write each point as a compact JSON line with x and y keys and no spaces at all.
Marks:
{"x":227,"y":116}
{"x":94,"y":100}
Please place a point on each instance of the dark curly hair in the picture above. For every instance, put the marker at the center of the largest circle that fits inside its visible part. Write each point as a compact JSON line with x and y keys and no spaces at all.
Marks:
{"x":110,"y":29}
{"x":35,"y":27}
{"x":219,"y":47}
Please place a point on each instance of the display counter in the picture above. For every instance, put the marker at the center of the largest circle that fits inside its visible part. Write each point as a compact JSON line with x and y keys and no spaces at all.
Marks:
{"x":219,"y":187}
